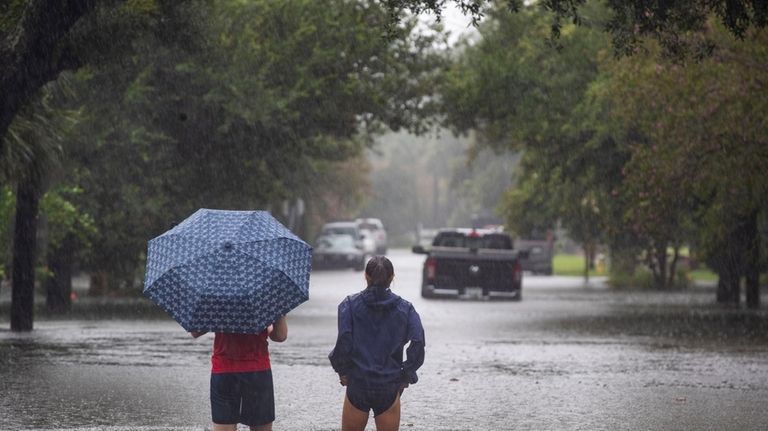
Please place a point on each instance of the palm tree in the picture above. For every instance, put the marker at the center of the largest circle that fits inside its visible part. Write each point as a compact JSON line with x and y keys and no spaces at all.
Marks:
{"x":31,"y":151}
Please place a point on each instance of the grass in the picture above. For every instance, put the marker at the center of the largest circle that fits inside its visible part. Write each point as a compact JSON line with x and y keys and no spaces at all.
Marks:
{"x":573,"y":265}
{"x":703,"y":274}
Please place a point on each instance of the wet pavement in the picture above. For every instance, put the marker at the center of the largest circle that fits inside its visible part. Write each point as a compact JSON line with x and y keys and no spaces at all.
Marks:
{"x":566,"y":357}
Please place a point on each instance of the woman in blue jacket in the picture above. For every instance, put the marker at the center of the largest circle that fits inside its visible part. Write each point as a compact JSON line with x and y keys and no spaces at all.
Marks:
{"x":374,"y":327}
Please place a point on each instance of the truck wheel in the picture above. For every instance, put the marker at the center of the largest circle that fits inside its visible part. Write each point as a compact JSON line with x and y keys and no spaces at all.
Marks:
{"x":425,"y":293}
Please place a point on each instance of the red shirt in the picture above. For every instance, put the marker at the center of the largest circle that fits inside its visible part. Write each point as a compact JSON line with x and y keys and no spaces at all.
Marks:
{"x":240,"y":353}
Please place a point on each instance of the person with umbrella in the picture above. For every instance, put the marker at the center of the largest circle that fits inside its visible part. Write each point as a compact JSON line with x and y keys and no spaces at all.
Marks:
{"x":241,"y":378}
{"x":374,"y":327}
{"x":237,"y":274}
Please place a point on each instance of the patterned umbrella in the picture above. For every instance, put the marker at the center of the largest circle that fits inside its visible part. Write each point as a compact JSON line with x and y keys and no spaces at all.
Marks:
{"x":228,"y":271}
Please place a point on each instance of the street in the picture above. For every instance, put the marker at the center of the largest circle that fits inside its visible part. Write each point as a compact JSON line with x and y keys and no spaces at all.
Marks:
{"x":566,"y":357}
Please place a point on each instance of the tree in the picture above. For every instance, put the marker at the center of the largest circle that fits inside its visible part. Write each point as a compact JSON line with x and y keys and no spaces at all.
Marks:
{"x":264,"y":109}
{"x":31,"y":50}
{"x":676,"y":25}
{"x":67,"y":230}
{"x":657,"y":149}
{"x":39,"y":40}
{"x":33,"y":149}
{"x":520,"y":93}
{"x":34,"y":59}
{"x":700,"y":149}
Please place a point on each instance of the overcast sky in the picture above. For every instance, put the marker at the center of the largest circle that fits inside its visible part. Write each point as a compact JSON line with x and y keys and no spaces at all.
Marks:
{"x":454,"y":21}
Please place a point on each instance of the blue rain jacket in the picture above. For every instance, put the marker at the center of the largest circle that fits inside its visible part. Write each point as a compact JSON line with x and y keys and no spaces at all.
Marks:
{"x":374,"y":327}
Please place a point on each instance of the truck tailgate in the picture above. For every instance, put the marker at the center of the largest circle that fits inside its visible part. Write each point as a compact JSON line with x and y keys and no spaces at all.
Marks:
{"x":491,"y":270}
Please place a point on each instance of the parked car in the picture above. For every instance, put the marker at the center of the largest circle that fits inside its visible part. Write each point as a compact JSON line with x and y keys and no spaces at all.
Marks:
{"x":471,"y":262}
{"x":341,"y":228}
{"x":338,"y":251}
{"x":362,"y":239}
{"x":376,"y":231}
{"x":536,"y":255}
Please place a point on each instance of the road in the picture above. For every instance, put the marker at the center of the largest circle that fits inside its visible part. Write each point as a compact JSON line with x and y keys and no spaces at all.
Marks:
{"x":566,"y":357}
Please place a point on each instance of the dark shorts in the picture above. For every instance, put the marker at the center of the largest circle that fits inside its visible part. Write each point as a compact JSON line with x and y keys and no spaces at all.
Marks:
{"x":246,"y":398}
{"x":377,"y":399}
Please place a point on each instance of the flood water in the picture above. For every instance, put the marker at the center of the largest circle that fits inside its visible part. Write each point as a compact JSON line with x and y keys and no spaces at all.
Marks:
{"x":566,"y":357}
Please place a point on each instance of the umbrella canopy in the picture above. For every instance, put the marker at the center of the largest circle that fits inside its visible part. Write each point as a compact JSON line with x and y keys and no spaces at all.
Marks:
{"x":228,"y":271}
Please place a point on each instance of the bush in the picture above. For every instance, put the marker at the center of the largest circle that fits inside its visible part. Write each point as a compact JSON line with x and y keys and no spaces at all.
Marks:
{"x":643,"y":279}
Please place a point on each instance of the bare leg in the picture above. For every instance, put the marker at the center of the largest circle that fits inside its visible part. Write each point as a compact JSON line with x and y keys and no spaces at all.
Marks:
{"x":265,"y":427}
{"x":353,"y":419}
{"x":390,"y":419}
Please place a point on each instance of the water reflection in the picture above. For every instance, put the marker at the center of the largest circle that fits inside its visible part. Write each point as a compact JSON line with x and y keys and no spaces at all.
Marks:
{"x":565,"y":357}
{"x":107,"y":344}
{"x":73,"y":374}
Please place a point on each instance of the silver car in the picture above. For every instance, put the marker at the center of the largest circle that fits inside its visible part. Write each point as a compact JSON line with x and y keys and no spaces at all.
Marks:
{"x":337,"y":251}
{"x":374,"y":228}
{"x":362,"y":238}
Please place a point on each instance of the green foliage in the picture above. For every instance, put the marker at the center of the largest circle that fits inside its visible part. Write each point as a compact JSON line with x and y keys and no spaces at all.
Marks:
{"x":518,"y":92}
{"x":528,"y":207}
{"x":64,"y":218}
{"x":33,"y":145}
{"x":641,"y":279}
{"x":10,"y":11}
{"x":679,"y":27}
{"x":698,"y":149}
{"x":640,"y":153}
{"x":273,"y":101}
{"x":644,"y":279}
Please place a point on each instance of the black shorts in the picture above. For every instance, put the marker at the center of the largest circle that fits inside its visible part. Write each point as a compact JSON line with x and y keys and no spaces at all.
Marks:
{"x":246,"y":398}
{"x":377,"y":399}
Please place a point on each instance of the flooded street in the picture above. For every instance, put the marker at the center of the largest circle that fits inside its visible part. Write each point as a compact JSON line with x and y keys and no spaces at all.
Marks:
{"x":566,"y":357}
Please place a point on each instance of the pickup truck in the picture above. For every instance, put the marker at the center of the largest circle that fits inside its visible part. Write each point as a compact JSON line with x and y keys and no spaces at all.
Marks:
{"x":471,"y":262}
{"x":536,"y":255}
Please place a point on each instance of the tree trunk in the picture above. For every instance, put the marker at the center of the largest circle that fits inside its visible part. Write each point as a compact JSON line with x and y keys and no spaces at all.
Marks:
{"x":661,"y":261}
{"x":673,"y":267}
{"x":728,"y":287}
{"x":24,"y":245}
{"x":59,"y":287}
{"x":587,"y":253}
{"x":729,"y":269}
{"x":752,"y":261}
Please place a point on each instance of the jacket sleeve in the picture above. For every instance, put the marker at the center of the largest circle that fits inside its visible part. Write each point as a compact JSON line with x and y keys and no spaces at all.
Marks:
{"x":341,"y":355}
{"x":415,"y":350}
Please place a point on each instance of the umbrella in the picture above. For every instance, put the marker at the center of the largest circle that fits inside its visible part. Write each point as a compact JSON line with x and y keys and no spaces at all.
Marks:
{"x":227,"y":271}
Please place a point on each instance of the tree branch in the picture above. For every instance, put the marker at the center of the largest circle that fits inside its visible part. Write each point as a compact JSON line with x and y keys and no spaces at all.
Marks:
{"x":29,"y":52}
